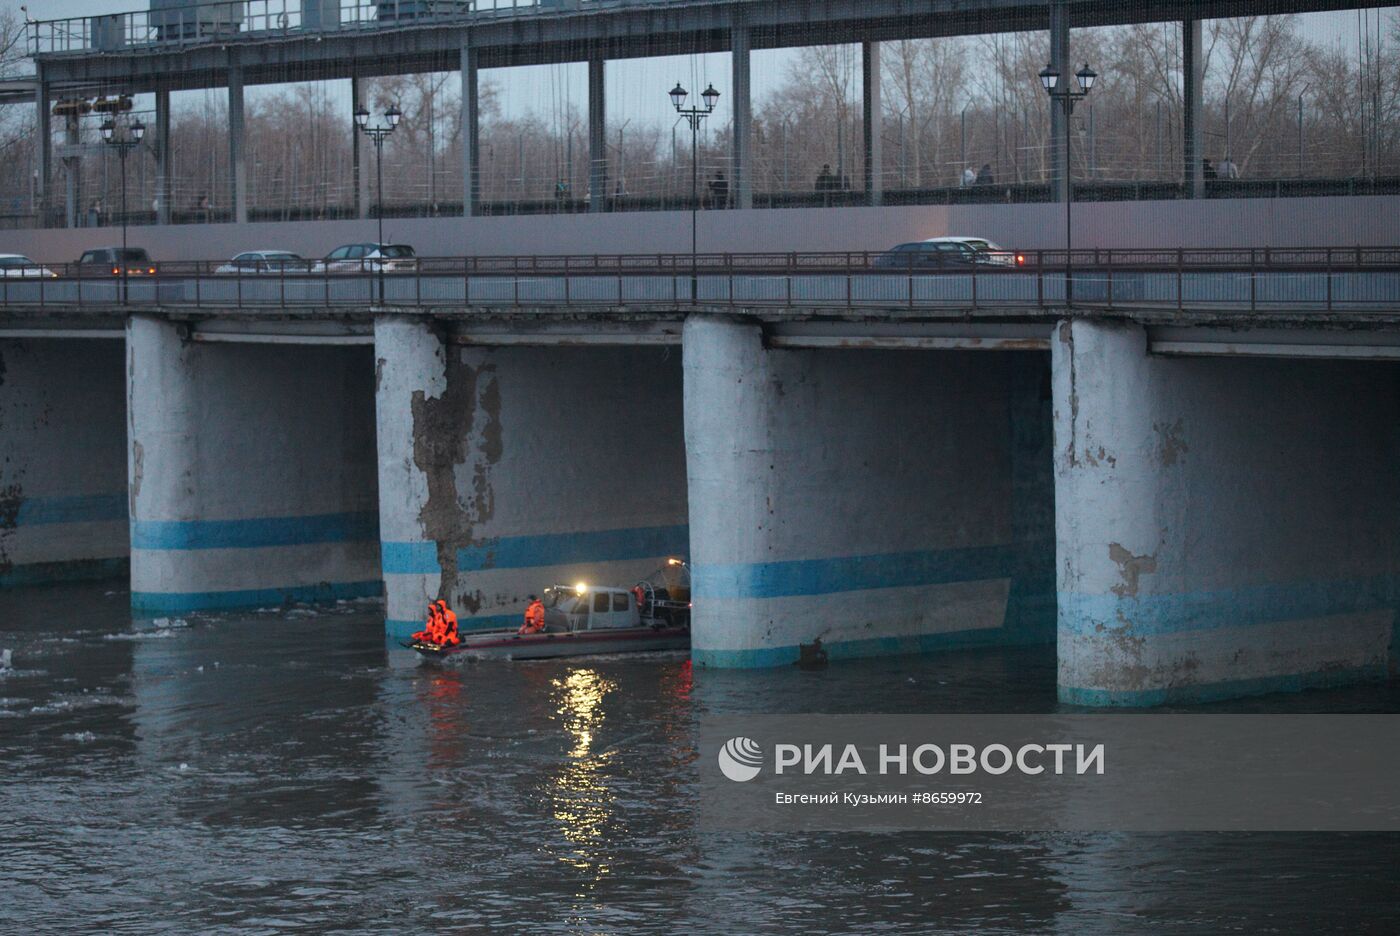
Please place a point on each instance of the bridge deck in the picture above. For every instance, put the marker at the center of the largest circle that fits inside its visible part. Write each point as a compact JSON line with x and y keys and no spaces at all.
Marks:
{"x":1362,"y":281}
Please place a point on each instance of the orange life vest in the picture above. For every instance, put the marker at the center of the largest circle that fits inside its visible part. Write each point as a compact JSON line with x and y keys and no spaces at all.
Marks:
{"x":534,"y":618}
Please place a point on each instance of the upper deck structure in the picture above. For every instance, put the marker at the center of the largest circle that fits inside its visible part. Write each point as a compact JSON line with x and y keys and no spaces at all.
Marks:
{"x":180,"y":46}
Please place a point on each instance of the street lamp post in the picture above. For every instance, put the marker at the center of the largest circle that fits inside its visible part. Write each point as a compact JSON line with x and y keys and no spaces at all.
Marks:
{"x":392,"y":116}
{"x":694,"y":115}
{"x":124,"y":143}
{"x":1066,"y":97}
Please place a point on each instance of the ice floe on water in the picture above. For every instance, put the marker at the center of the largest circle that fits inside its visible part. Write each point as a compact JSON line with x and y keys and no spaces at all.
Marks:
{"x":160,"y":628}
{"x":82,"y":737}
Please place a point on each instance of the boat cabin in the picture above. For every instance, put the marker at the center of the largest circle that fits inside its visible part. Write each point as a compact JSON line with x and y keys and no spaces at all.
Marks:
{"x":593,"y":607}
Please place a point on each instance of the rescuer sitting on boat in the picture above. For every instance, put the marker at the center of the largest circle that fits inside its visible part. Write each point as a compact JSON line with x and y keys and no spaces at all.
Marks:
{"x":534,"y":616}
{"x":449,"y":636}
{"x":432,"y":627}
{"x":441,"y":626}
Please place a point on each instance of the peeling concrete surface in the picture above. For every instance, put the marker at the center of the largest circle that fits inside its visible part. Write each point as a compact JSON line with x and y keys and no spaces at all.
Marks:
{"x":464,"y":422}
{"x":1171,"y":442}
{"x":1132,"y":569}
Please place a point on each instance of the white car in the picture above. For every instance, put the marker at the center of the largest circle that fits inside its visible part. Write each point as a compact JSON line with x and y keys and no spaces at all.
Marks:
{"x":21,"y":266}
{"x":266,"y":261}
{"x":370,"y":258}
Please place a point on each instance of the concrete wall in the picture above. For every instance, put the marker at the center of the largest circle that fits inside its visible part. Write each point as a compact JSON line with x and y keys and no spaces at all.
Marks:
{"x":1224,"y":526}
{"x":505,"y":470}
{"x":1248,"y":222}
{"x":252,"y":472}
{"x":62,"y":463}
{"x":880,"y":501}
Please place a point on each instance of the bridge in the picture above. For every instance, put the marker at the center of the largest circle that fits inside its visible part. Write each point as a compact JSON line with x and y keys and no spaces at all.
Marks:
{"x":1169,"y":451}
{"x":1180,"y":473}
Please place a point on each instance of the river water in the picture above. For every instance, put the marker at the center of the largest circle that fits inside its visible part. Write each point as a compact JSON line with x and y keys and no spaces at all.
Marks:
{"x":287,"y":770}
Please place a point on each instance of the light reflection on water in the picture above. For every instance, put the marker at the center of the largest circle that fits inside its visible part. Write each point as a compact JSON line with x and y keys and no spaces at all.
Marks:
{"x":269,"y":771}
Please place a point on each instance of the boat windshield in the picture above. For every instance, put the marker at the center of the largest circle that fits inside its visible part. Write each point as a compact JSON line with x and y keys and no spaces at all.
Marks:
{"x":565,"y":599}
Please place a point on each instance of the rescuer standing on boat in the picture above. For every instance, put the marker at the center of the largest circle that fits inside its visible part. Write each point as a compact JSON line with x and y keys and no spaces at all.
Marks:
{"x":534,"y":616}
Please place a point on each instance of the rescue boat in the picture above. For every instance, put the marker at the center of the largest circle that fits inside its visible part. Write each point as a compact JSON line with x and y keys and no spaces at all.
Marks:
{"x":585,"y":620}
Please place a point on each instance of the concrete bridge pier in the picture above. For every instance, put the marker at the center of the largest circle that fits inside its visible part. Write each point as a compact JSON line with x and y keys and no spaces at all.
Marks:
{"x":251,"y":471}
{"x":878,"y":501}
{"x":62,"y":470}
{"x":509,"y":467}
{"x":1224,"y":526}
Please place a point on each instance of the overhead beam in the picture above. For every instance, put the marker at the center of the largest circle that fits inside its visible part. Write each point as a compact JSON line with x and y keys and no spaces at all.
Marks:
{"x":631,"y":31}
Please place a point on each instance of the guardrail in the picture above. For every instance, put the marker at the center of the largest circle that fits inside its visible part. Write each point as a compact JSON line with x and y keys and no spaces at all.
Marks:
{"x":1320,"y":279}
{"x":225,"y":21}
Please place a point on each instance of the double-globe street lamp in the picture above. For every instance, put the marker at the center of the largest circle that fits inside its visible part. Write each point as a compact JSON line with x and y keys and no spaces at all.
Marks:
{"x":1066,"y":97}
{"x":392,"y":116}
{"x":694,"y":115}
{"x":124,"y":141}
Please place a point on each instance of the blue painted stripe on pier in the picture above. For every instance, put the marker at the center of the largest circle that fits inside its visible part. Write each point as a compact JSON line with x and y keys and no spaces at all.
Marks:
{"x":254,"y":533}
{"x":1192,"y":694}
{"x":858,"y":573}
{"x":768,"y":657}
{"x":75,"y":570}
{"x":77,"y":508}
{"x":549,"y":549}
{"x":323,"y":593}
{"x":1231,"y":607}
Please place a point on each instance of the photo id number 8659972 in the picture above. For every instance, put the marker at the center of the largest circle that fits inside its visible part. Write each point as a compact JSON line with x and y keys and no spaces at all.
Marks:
{"x":940,"y":798}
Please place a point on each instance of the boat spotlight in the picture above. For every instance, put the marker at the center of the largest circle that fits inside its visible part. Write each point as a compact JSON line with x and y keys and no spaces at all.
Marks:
{"x":581,"y":588}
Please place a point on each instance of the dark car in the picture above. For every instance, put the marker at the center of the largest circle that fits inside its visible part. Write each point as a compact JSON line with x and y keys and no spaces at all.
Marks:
{"x":108,"y":261}
{"x":928,"y":255}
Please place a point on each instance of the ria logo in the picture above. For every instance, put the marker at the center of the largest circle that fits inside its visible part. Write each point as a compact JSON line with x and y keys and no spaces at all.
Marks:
{"x":740,"y":759}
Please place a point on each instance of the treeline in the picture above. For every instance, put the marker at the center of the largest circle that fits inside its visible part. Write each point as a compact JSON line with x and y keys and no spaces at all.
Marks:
{"x":1277,"y":105}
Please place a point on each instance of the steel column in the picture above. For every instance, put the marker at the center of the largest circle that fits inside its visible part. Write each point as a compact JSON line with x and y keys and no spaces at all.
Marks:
{"x":238,"y":167}
{"x":1192,"y":96}
{"x":43,"y":151}
{"x":1059,"y":119}
{"x":164,"y":189}
{"x":870,"y":80}
{"x":471,"y":132}
{"x":597,"y":136}
{"x":360,"y":177}
{"x":743,"y":118}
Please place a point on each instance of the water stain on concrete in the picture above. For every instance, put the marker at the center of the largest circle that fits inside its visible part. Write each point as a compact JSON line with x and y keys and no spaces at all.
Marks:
{"x":1131,"y":568}
{"x":11,"y":499}
{"x":464,"y":422}
{"x":138,"y":473}
{"x":1172,"y":444}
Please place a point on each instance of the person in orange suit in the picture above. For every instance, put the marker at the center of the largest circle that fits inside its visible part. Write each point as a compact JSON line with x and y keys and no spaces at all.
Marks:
{"x":534,"y":616}
{"x":448,"y":635}
{"x":432,"y":628}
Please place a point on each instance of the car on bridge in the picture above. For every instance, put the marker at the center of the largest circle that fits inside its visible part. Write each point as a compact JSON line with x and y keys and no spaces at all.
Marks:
{"x":21,"y":266}
{"x":109,"y":261}
{"x":946,"y":253}
{"x":266,"y":261}
{"x":369,"y":258}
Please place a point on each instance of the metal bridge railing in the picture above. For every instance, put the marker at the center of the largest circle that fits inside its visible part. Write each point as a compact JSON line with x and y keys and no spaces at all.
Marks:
{"x":1225,"y":279}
